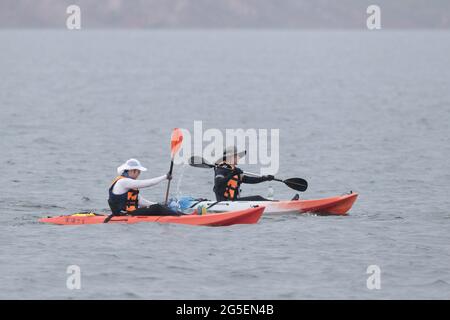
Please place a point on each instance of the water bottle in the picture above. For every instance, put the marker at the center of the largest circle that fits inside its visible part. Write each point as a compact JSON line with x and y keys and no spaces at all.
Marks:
{"x":201,"y":210}
{"x":270,"y":193}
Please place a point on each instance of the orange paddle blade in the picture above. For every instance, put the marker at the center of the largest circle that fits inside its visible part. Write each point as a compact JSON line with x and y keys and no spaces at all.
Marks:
{"x":176,"y":141}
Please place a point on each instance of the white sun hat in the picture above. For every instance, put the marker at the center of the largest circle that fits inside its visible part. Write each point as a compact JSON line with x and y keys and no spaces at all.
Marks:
{"x":131,"y":164}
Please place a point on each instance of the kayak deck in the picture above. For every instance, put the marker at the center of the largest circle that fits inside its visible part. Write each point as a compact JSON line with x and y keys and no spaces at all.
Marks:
{"x":246,"y":216}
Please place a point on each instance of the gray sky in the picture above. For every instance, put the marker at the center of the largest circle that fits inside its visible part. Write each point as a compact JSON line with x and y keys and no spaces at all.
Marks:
{"x":302,"y":14}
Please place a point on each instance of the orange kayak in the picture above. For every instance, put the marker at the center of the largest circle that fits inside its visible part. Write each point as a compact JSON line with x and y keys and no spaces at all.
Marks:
{"x":246,"y":216}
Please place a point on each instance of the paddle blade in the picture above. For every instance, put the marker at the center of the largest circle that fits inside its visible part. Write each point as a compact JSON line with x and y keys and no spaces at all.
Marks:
{"x":298,"y":184}
{"x":199,"y":162}
{"x":176,"y":141}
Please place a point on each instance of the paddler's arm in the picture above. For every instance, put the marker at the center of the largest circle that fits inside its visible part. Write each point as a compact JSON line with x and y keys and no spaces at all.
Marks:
{"x":123,"y":185}
{"x":253,"y":180}
{"x":138,"y":184}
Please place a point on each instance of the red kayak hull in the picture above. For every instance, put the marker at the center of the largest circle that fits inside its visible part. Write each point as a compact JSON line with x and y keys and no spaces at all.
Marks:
{"x":247,"y":216}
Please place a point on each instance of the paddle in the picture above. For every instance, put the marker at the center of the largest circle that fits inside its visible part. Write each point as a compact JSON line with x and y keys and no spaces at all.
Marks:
{"x":298,"y":184}
{"x":175,"y":145}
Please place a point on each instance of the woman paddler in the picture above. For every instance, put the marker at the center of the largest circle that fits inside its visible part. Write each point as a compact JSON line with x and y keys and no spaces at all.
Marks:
{"x":124,"y":198}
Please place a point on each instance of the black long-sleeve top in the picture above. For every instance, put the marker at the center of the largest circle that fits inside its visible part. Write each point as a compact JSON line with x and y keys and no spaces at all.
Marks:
{"x":223,"y":173}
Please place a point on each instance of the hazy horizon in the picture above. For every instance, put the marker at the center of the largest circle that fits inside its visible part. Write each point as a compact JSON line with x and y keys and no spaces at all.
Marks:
{"x":225,"y":14}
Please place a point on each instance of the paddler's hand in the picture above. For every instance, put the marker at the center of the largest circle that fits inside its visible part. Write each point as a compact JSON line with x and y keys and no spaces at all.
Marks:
{"x":169,"y":176}
{"x":268,"y":177}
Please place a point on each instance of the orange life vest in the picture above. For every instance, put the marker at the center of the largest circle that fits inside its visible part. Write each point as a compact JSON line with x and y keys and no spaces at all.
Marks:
{"x":232,"y":188}
{"x":127,"y":202}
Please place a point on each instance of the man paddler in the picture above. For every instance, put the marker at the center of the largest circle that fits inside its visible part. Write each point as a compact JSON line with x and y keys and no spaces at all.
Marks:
{"x":228,"y":177}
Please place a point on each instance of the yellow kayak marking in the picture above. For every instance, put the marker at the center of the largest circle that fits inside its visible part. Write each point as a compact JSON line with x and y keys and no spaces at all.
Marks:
{"x":89,"y":214}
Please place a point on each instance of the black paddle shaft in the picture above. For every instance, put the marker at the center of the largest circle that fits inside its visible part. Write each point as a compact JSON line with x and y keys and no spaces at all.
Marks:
{"x":168,"y":184}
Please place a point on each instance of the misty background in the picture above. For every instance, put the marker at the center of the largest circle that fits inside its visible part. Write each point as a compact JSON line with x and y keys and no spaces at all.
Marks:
{"x":357,"y":110}
{"x":292,"y":14}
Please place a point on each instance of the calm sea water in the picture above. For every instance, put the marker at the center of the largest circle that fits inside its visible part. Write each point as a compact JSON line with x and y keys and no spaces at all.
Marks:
{"x":362,"y":111}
